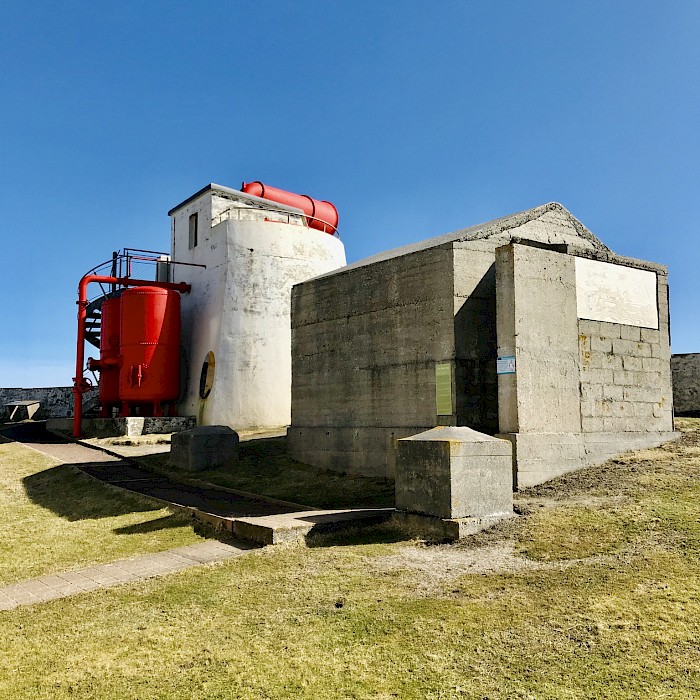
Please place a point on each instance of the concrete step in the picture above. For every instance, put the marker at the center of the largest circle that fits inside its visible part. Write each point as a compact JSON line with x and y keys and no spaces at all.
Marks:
{"x":295,"y":527}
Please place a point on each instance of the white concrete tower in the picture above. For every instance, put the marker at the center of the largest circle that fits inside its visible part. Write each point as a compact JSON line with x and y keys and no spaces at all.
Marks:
{"x":236,"y":337}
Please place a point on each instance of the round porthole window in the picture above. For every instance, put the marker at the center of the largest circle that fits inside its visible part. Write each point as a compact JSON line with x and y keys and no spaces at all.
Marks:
{"x":206,"y":379}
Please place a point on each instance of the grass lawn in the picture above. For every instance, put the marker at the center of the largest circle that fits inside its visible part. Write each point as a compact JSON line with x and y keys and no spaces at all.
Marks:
{"x":264,"y":468}
{"x":594,"y":592}
{"x":55,"y":519}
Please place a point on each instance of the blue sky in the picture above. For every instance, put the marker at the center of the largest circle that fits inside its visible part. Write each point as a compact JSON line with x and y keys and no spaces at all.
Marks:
{"x":414,"y":118}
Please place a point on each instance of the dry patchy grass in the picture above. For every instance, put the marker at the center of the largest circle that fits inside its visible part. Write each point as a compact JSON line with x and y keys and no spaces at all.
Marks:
{"x":56,"y":518}
{"x":585,"y":595}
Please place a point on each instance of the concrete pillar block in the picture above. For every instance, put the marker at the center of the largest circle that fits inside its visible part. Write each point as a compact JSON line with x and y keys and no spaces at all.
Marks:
{"x":204,"y":447}
{"x":454,"y":472}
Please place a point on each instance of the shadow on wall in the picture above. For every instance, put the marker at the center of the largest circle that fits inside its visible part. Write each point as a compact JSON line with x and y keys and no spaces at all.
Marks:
{"x":475,"y":362}
{"x":74,"y":496}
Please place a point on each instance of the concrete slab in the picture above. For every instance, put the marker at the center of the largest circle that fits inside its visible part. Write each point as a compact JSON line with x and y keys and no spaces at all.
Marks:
{"x":443,"y":529}
{"x":296,"y":527}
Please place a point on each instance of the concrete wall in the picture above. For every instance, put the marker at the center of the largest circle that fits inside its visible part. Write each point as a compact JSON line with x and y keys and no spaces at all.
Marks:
{"x":239,"y":307}
{"x":686,"y":383}
{"x":583,"y":390}
{"x":536,"y":316}
{"x":56,"y":402}
{"x":365,"y":343}
{"x":476,"y":387}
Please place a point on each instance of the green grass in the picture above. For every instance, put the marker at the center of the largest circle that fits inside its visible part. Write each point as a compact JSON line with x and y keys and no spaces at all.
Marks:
{"x":264,"y":468}
{"x":605,"y":604}
{"x":55,"y":518}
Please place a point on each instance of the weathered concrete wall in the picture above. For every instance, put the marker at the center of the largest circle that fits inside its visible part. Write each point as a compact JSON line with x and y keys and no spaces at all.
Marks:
{"x":364,"y":347}
{"x":368,"y":341}
{"x":686,"y":383}
{"x":626,"y":392}
{"x":537,"y":324}
{"x":625,"y":382}
{"x":56,"y":402}
{"x":239,"y":306}
{"x":583,"y":390}
{"x":536,"y":312}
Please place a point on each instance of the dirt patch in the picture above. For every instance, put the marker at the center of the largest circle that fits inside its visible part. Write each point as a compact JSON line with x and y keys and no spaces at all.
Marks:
{"x":617,"y":484}
{"x":435,"y":568}
{"x":446,"y":562}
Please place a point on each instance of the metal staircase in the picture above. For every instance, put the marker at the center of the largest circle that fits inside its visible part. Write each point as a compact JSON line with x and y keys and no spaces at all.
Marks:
{"x":121,"y":265}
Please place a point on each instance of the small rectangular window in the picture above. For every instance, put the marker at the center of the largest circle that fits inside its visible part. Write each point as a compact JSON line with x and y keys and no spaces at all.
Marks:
{"x":193,"y":231}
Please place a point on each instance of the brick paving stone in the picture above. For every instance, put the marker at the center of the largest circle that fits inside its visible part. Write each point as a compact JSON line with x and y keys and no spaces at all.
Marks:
{"x":7,"y":603}
{"x":41,"y":590}
{"x":19,"y":594}
{"x":208,"y":554}
{"x":59,"y":584}
{"x":173,"y":563}
{"x":84,"y":583}
{"x":98,"y":576}
{"x":117,"y":573}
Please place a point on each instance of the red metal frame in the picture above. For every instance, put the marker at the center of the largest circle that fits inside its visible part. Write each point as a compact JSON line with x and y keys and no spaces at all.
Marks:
{"x":80,"y":384}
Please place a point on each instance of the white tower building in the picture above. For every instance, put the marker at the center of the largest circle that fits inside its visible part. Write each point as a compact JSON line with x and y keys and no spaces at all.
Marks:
{"x":236,"y":337}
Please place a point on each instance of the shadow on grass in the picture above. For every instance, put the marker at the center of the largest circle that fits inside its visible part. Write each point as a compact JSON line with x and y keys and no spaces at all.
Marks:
{"x":75,"y":496}
{"x":349,"y":536}
{"x":264,"y":468}
{"x":164,"y":523}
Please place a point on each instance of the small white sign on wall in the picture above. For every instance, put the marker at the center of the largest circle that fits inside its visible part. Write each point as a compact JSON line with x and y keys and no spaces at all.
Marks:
{"x":505,"y":365}
{"x":616,"y":294}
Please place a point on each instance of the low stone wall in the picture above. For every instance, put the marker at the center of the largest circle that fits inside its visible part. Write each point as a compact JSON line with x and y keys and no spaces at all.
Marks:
{"x":56,"y":402}
{"x":131,"y":426}
{"x":685,"y":371}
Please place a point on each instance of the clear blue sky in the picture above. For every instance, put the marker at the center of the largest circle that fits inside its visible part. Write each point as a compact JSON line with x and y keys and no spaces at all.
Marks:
{"x":414,"y":118}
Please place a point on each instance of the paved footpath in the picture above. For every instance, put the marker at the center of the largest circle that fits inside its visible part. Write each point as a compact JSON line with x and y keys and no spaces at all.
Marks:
{"x":114,"y":573}
{"x":40,"y":590}
{"x":257,"y":520}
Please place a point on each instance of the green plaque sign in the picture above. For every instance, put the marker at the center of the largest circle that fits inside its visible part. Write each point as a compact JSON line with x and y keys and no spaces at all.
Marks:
{"x":443,"y":388}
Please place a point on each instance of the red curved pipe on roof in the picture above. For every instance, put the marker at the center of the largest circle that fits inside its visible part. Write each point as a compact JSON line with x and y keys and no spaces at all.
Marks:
{"x":322,"y":215}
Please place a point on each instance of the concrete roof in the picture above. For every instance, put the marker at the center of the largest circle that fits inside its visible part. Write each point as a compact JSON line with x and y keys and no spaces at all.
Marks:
{"x":481,"y":232}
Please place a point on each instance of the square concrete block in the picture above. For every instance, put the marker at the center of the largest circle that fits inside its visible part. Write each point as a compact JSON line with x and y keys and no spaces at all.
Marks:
{"x":452,"y":472}
{"x":204,"y":447}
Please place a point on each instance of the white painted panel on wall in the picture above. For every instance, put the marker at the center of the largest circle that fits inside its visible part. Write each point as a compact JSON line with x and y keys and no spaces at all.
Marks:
{"x":616,"y":294}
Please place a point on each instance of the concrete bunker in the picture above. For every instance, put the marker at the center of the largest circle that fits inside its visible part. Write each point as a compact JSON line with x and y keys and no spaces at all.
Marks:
{"x":527,"y":328}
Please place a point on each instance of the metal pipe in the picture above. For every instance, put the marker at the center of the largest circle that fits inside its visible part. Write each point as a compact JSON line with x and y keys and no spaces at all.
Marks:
{"x":80,"y":384}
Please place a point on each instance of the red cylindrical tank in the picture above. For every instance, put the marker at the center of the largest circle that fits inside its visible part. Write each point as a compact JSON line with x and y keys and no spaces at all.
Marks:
{"x":149,"y":346}
{"x":323,"y":216}
{"x":109,"y":354}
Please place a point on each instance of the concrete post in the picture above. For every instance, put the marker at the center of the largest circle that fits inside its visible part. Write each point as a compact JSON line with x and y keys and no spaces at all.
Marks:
{"x":454,"y":473}
{"x":537,"y":325}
